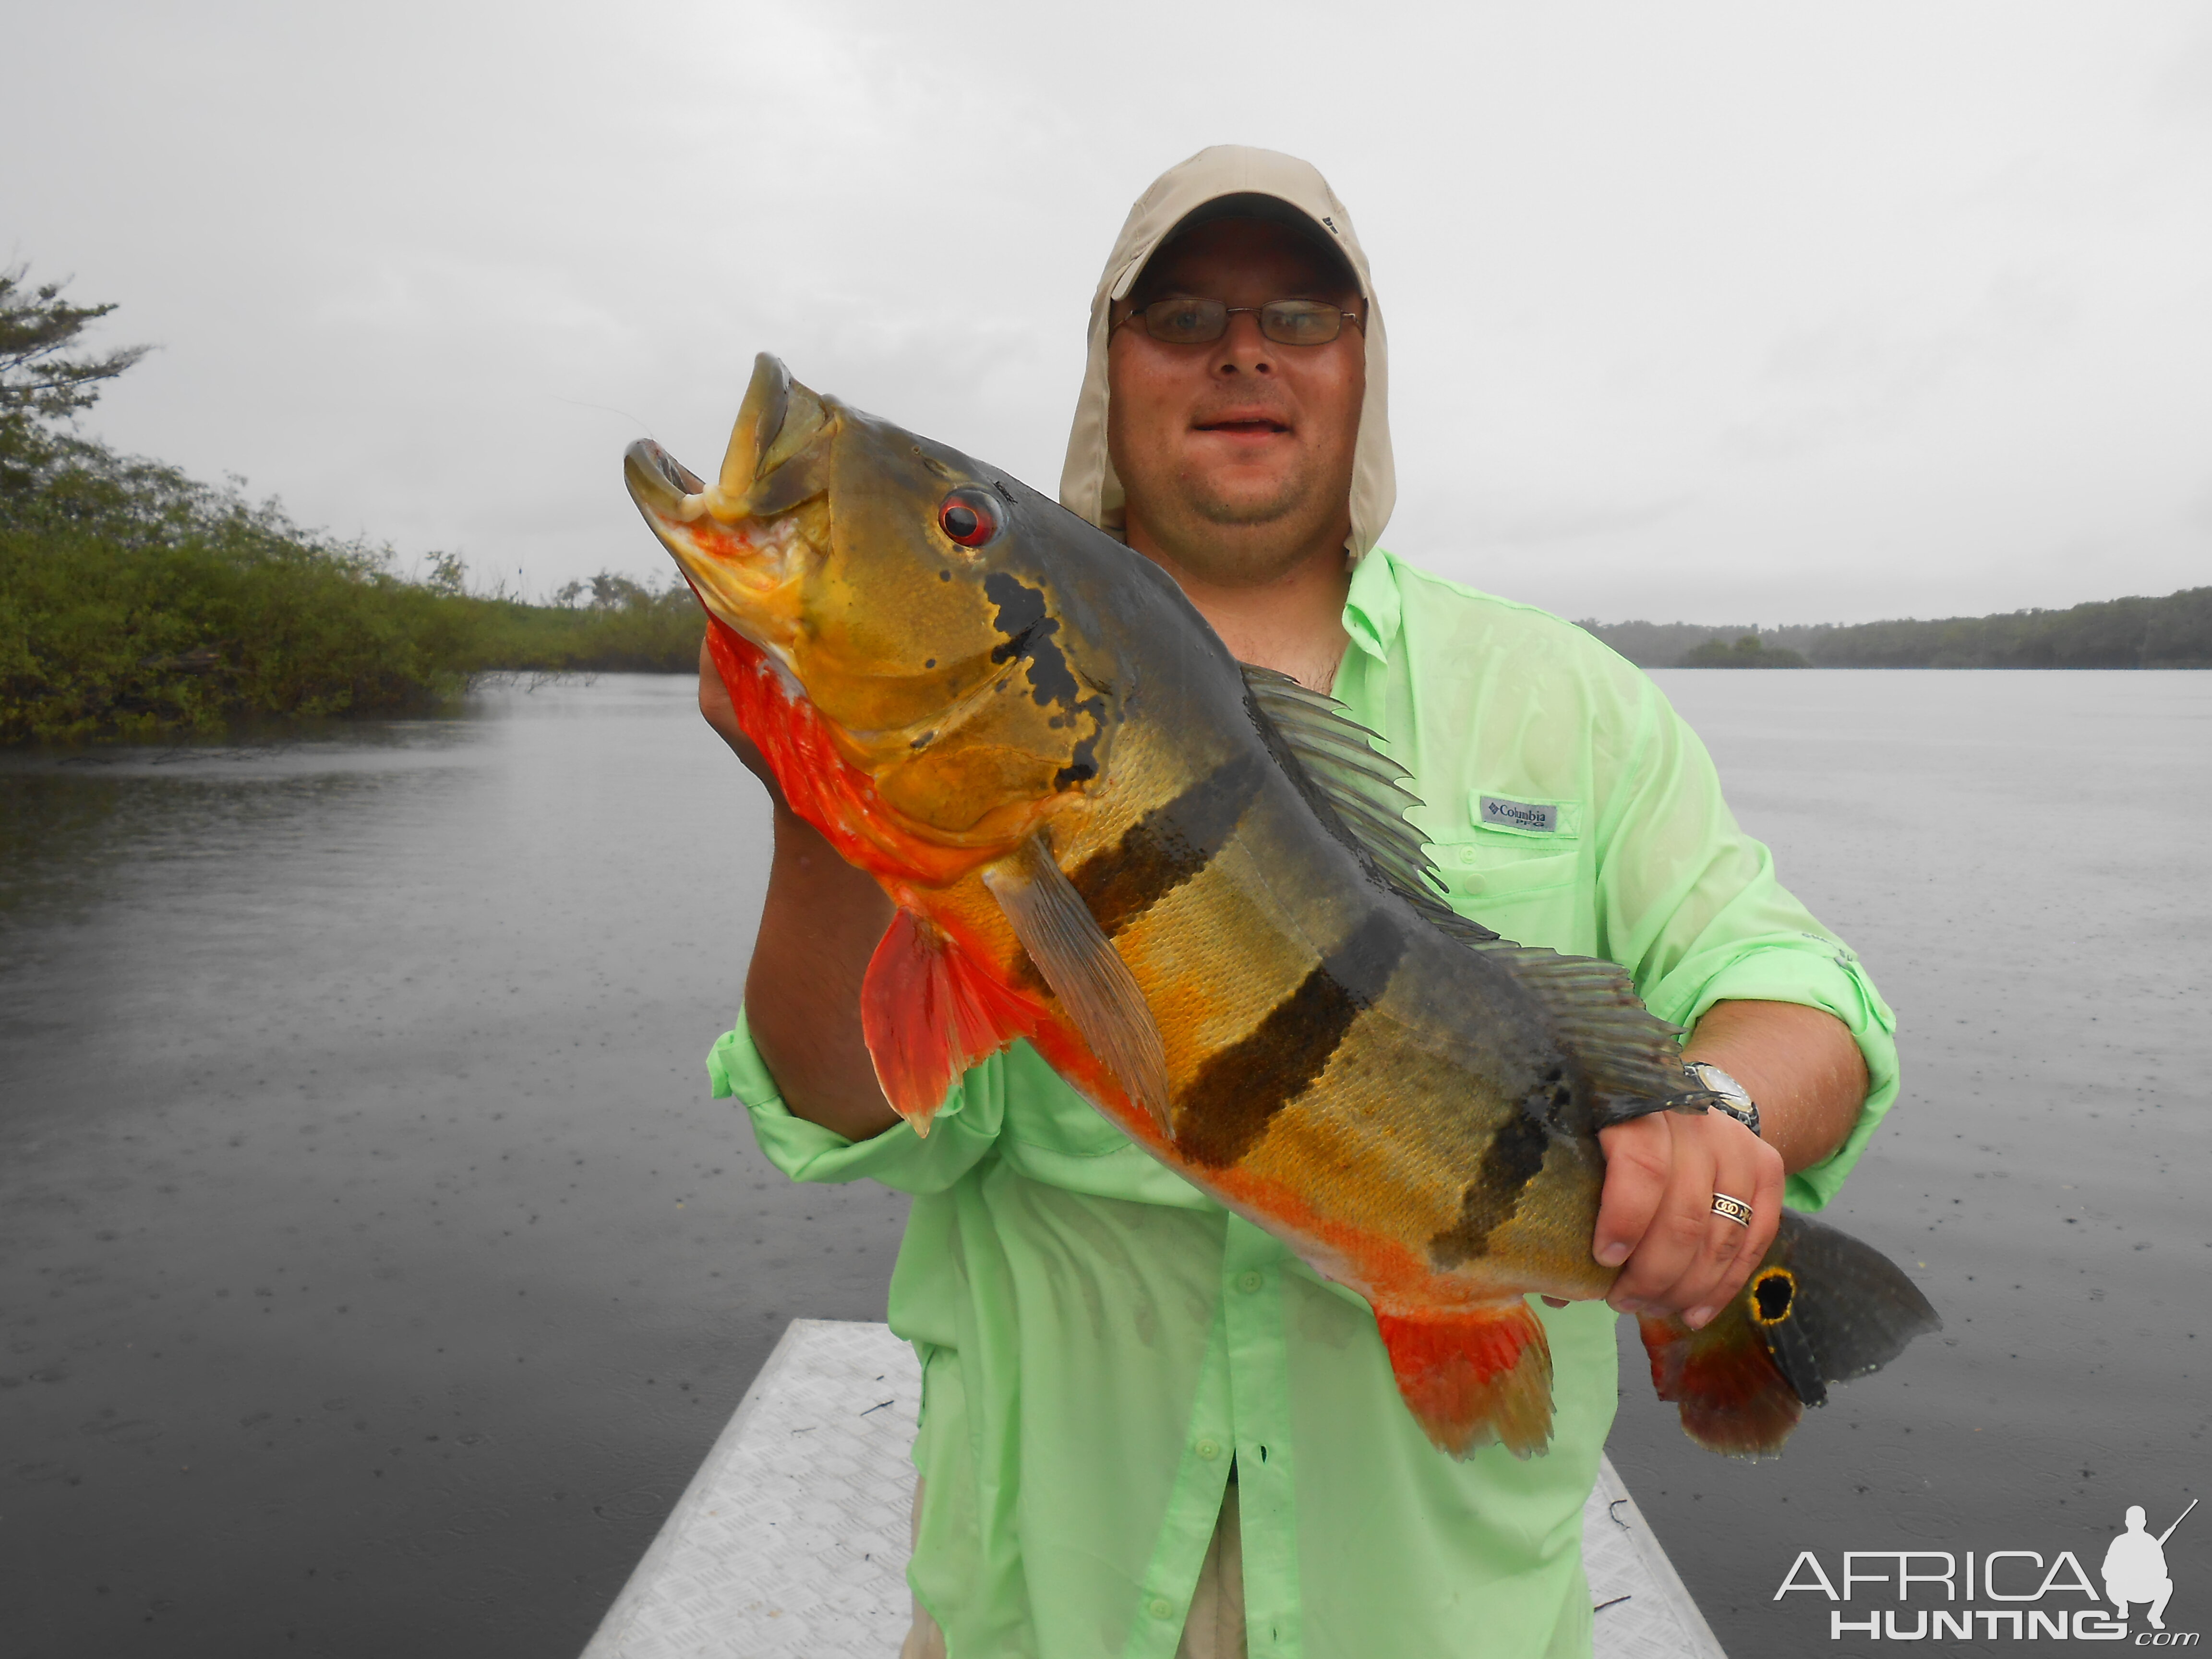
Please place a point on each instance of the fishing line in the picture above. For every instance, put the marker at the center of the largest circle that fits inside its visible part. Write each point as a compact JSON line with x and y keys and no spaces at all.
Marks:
{"x":579,"y":403}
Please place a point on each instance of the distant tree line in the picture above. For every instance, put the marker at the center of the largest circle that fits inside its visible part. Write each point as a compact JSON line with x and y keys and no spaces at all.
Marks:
{"x":2172,"y":632}
{"x":135,"y":600}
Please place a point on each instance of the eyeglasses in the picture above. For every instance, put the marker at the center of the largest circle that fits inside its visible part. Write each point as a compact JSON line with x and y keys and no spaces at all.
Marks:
{"x":1200,"y":322}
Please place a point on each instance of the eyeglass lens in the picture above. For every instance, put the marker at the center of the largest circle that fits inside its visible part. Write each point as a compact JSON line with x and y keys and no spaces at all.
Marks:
{"x":1286,"y":322}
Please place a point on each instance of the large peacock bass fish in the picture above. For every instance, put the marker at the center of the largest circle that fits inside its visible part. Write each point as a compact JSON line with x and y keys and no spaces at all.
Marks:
{"x":1189,"y":884}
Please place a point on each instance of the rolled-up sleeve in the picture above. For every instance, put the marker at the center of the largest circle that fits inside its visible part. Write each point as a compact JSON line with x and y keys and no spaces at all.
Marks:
{"x":1691,"y":904}
{"x":962,"y":1132}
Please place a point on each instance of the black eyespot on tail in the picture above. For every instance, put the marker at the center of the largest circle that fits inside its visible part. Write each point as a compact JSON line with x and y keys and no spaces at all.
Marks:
{"x":1771,"y":1293}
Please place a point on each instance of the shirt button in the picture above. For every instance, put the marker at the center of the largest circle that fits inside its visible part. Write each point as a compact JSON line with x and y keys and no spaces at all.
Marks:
{"x":1160,"y":1608}
{"x":1209,"y":1450}
{"x":1248,"y":1282}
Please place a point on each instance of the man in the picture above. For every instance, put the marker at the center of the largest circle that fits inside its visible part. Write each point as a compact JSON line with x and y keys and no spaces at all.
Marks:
{"x":1146,"y":1428}
{"x":2135,"y":1569}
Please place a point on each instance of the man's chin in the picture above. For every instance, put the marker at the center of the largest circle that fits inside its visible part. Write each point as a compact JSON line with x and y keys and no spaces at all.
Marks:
{"x":1252,"y":507}
{"x":1238,"y":540}
{"x":1228,"y":515}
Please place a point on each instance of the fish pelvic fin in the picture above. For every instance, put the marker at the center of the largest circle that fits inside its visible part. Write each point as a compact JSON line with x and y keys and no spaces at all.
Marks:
{"x":1095,"y":986}
{"x":928,"y":1014}
{"x":1821,"y":1308}
{"x":1474,"y":1375}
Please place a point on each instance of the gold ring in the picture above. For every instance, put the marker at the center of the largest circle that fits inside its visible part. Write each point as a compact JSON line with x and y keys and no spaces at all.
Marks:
{"x":1734,"y":1208}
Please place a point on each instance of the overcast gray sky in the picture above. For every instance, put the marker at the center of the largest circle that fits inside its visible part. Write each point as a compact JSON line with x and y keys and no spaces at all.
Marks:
{"x":1732,"y":312}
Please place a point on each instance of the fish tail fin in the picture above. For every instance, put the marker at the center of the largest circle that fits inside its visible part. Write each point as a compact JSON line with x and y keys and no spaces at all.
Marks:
{"x":929,"y":1013}
{"x":1474,"y":1375}
{"x":1821,"y":1308}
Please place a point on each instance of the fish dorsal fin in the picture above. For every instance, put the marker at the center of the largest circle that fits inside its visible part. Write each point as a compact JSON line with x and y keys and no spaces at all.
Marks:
{"x":1631,"y":1058}
{"x":1357,"y":790}
{"x":1094,"y":985}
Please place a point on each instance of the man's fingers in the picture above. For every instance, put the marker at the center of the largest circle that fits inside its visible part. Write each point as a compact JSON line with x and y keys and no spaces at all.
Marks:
{"x":1663,"y":1173}
{"x":1638,"y":1157}
{"x":1747,"y":1169}
{"x":1765,"y":1222}
{"x":1675,"y":1245}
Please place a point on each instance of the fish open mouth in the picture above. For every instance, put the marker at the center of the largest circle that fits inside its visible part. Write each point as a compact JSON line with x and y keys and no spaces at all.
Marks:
{"x":739,"y":539}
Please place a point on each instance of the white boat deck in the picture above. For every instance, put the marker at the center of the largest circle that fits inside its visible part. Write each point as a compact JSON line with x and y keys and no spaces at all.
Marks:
{"x":791,"y":1541}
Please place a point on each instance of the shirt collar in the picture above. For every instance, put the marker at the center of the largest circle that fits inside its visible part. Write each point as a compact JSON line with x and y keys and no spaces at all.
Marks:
{"x":1371,"y":608}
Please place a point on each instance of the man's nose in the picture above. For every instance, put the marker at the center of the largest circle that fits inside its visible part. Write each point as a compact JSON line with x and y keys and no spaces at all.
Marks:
{"x":1243,"y":349}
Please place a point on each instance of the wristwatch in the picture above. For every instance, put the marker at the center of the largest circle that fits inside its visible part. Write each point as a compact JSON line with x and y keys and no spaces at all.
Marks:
{"x":1735,"y":1100}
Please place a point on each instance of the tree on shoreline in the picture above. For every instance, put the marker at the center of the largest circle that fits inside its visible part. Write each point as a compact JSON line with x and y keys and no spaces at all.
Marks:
{"x":1748,"y":651}
{"x":43,"y":379}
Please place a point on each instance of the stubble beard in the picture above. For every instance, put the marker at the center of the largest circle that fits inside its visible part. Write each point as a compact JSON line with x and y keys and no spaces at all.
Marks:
{"x":1244,"y":538}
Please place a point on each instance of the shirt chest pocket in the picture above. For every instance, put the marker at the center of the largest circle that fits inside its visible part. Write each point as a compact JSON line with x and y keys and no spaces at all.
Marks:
{"x":1509,"y":849}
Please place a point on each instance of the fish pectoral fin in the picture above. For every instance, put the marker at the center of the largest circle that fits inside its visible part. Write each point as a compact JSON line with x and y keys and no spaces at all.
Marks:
{"x":929,"y":1013}
{"x":1092,"y":982}
{"x":1473,"y":1375}
{"x":1821,"y":1308}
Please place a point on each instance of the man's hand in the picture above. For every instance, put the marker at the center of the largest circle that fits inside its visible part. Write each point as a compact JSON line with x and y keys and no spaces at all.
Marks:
{"x":1661,"y":1174}
{"x":1803,"y":1068}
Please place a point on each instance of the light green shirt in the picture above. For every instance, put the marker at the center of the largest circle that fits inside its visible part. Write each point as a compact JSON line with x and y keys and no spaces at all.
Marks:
{"x":1099,"y":1341}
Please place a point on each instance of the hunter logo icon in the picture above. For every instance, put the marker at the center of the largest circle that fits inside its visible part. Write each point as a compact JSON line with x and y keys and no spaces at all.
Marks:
{"x":2135,"y":1567}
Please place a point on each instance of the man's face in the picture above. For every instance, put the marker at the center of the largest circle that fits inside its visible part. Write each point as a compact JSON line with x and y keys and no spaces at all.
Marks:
{"x":1236,"y":455}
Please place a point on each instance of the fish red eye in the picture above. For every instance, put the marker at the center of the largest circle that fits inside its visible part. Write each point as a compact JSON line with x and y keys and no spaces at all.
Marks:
{"x":969,"y":516}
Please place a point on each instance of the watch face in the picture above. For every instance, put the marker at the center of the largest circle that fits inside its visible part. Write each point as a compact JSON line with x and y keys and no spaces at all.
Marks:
{"x":1721,"y":1084}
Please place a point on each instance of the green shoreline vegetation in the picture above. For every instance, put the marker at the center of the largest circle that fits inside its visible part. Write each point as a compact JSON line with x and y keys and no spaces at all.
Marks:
{"x":136,"y":602}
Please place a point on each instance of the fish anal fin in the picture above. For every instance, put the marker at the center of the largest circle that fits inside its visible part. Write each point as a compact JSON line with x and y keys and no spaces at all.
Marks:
{"x":928,"y":1014}
{"x":1470,"y":1375}
{"x":1096,"y":988}
{"x":1821,"y":1308}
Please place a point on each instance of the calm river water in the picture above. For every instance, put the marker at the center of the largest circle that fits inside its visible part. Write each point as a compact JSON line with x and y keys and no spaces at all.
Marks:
{"x":373,"y":1269}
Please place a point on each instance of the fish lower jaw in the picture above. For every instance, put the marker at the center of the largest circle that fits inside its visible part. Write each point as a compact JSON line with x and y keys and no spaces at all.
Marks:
{"x":748,"y":557}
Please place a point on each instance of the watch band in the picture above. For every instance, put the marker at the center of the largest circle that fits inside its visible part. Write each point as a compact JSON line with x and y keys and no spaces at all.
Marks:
{"x":1734,"y":1099}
